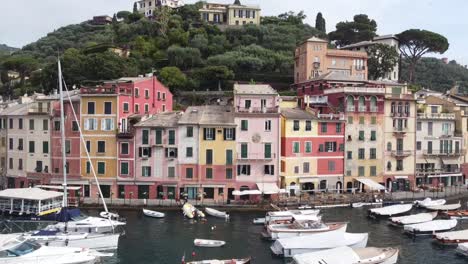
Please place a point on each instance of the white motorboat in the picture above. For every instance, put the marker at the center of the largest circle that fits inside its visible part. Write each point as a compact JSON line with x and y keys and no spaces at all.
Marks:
{"x":462,"y":249}
{"x":453,"y":237}
{"x":430,"y":227}
{"x":88,"y":224}
{"x":391,"y":210}
{"x":304,"y":207}
{"x":208,"y":243}
{"x":311,"y":214}
{"x":259,"y":221}
{"x":413,"y":219}
{"x":188,"y":210}
{"x":17,"y":249}
{"x":216,"y":213}
{"x":288,"y":247}
{"x":56,"y":238}
{"x":445,"y":207}
{"x":429,"y":202}
{"x":347,"y":255}
{"x":154,"y":214}
{"x":217,"y":261}
{"x":301,"y":228}
{"x":359,"y":205}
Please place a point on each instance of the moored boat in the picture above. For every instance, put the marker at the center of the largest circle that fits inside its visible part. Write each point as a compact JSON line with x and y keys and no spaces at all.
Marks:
{"x":392,"y":210}
{"x":216,"y":213}
{"x":430,"y":227}
{"x":413,"y":219}
{"x":462,"y":249}
{"x":429,"y":202}
{"x":453,"y":237}
{"x":226,"y":261}
{"x":458,"y":214}
{"x":359,"y":205}
{"x":347,"y":255}
{"x":154,"y":214}
{"x":445,"y":207}
{"x":288,"y":247}
{"x":289,"y":215}
{"x":208,"y":243}
{"x":188,"y":210}
{"x":259,"y":221}
{"x":301,"y":228}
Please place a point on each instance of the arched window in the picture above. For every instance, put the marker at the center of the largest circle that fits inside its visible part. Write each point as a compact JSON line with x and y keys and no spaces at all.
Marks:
{"x":373,"y":104}
{"x":362,"y":104}
{"x":400,"y":107}
{"x":350,"y":103}
{"x":393,"y":108}
{"x":407,"y":109}
{"x":389,"y":146}
{"x":389,"y":166}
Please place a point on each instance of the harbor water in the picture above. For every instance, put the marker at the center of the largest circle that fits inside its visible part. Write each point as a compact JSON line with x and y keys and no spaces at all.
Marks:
{"x":161,"y":241}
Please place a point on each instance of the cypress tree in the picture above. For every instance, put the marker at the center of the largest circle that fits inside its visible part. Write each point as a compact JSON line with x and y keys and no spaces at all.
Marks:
{"x":320,"y":23}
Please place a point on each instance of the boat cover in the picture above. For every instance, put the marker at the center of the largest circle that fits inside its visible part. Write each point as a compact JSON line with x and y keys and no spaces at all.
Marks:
{"x":453,"y":235}
{"x":463,"y":246}
{"x":371,"y":184}
{"x":445,"y":207}
{"x":324,"y":240}
{"x":29,"y":194}
{"x":392,"y":209}
{"x":434,"y":225}
{"x":339,"y":255}
{"x":268,"y":187}
{"x":414,"y":219}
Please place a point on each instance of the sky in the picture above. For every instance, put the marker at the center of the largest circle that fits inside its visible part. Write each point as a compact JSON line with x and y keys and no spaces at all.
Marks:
{"x":25,"y":21}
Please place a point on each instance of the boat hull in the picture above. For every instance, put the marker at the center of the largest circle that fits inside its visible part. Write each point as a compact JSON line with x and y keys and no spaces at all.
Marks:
{"x":153,"y":214}
{"x":273,"y":235}
{"x":96,"y":242}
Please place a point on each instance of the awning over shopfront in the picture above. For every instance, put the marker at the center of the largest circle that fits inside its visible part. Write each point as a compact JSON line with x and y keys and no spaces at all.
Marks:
{"x":246,"y":192}
{"x":58,"y":187}
{"x":450,"y":162}
{"x":309,"y":179}
{"x":268,"y":187}
{"x":445,"y":175}
{"x":371,"y":184}
{"x":401,"y":177}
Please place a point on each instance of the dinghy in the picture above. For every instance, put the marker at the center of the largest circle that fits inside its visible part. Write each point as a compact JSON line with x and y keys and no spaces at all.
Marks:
{"x":413,"y":219}
{"x":288,"y":247}
{"x":208,"y":243}
{"x":302,"y":228}
{"x":226,"y":261}
{"x":445,"y":207}
{"x":462,"y":249}
{"x":216,"y":213}
{"x":459,"y":214}
{"x":289,"y":215}
{"x":453,"y":237}
{"x":188,"y":210}
{"x":430,"y":227}
{"x":259,"y":221}
{"x":391,"y":210}
{"x":429,"y":202}
{"x":154,"y":214}
{"x":347,"y":255}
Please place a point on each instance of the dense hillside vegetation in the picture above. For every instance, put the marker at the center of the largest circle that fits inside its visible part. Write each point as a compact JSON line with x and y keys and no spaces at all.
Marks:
{"x":6,"y":50}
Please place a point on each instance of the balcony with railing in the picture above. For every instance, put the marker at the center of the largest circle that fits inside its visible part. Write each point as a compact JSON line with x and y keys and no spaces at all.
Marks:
{"x":436,"y":152}
{"x":402,"y":114}
{"x":401,"y":153}
{"x":255,"y":156}
{"x":39,"y":108}
{"x":350,"y":108}
{"x":105,"y":90}
{"x":359,"y":67}
{"x":436,"y":171}
{"x":331,"y":116}
{"x":446,"y":116}
{"x":126,"y":133}
{"x":355,"y":90}
{"x":258,"y":110}
{"x":314,"y":100}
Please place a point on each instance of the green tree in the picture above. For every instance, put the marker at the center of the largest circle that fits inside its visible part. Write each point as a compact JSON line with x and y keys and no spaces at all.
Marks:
{"x":320,"y":23}
{"x":24,"y":65}
{"x":183,"y":58}
{"x":162,"y":15}
{"x":360,"y":29}
{"x":211,"y":76}
{"x":123,"y":14}
{"x":173,"y":78}
{"x":135,"y":8}
{"x":382,"y":59}
{"x":293,"y":18}
{"x":414,"y":43}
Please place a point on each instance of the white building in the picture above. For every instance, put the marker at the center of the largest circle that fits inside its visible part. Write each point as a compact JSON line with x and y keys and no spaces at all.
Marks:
{"x":147,"y":6}
{"x":390,"y":40}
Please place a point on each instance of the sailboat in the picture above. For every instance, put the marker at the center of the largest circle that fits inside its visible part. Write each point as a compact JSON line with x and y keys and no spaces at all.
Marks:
{"x":89,"y":232}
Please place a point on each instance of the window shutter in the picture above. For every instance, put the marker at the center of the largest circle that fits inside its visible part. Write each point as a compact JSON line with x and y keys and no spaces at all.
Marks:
{"x":233,"y":133}
{"x":341,"y":147}
{"x":238,"y":169}
{"x":214,"y":133}
{"x":321,"y":148}
{"x":334,"y":146}
{"x":166,"y":153}
{"x":272,"y":170}
{"x":265,"y":169}
{"x":149,"y":152}
{"x":175,"y":151}
{"x":224,"y":132}
{"x":204,"y":133}
{"x":86,"y":124}
{"x":248,"y":169}
{"x":140,"y":151}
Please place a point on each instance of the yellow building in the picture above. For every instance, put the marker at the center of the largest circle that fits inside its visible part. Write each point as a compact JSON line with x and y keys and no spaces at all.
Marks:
{"x":230,"y":15}
{"x":99,"y":123}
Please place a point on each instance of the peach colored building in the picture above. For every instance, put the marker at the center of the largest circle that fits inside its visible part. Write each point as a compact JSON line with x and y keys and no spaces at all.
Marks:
{"x":313,"y":58}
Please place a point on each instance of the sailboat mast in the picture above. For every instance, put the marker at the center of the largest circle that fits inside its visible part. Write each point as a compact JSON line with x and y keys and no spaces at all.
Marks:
{"x":62,"y":131}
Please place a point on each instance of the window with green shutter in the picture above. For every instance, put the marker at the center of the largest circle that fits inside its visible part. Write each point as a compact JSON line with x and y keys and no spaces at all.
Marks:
{"x":268,"y":150}
{"x":361,"y":135}
{"x":361,"y":153}
{"x":45,"y":147}
{"x":145,"y":137}
{"x":228,"y":156}
{"x":171,"y":137}
{"x":373,"y":135}
{"x":373,"y":153}
{"x":324,"y":127}
{"x":209,"y":173}
{"x":101,"y":167}
{"x":88,"y":167}
{"x":189,"y":173}
{"x":361,"y":120}
{"x":209,"y":156}
{"x":296,"y":147}
{"x":124,"y":168}
{"x":244,"y":125}
{"x":338,"y":128}
{"x":158,"y":136}
{"x":228,"y":173}
{"x":373,"y":120}
{"x":373,"y":171}
{"x":308,"y":147}
{"x":244,"y":150}
{"x":350,"y":155}
{"x":361,"y":171}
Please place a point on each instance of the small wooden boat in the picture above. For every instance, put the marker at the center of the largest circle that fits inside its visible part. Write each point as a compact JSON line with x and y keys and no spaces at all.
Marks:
{"x":153,"y":213}
{"x":453,"y":237}
{"x":288,"y":247}
{"x":208,"y":243}
{"x":429,"y":202}
{"x":227,"y":261}
{"x":459,"y":214}
{"x":392,"y":210}
{"x":430,"y":227}
{"x":370,"y":255}
{"x":216,"y":213}
{"x":413,"y":219}
{"x":188,"y":210}
{"x":445,"y":207}
{"x":462,"y":249}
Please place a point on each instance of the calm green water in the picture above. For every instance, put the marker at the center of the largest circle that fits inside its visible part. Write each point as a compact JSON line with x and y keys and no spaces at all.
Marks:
{"x":150,"y":240}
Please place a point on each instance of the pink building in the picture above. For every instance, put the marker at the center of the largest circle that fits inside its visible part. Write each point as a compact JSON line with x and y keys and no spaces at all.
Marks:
{"x":257,"y":116}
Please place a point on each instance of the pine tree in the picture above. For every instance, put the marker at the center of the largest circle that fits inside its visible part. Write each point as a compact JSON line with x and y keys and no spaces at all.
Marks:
{"x":135,"y":8}
{"x":320,"y":23}
{"x":237,"y":2}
